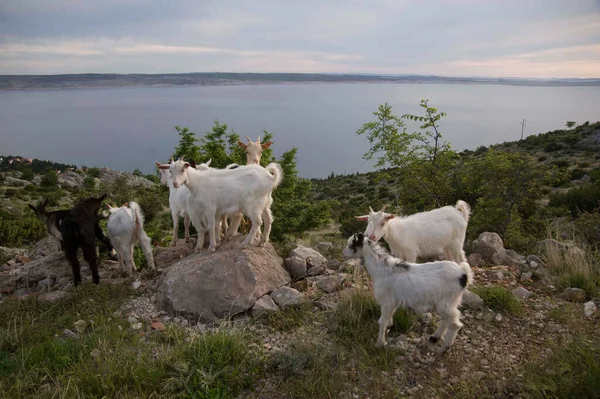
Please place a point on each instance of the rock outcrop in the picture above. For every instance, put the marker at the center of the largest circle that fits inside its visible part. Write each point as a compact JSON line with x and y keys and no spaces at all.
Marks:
{"x":213,"y":285}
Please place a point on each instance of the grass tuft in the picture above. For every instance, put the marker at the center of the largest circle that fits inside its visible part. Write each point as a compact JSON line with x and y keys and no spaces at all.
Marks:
{"x":499,"y":299}
{"x":356,"y":328}
{"x":572,"y":371}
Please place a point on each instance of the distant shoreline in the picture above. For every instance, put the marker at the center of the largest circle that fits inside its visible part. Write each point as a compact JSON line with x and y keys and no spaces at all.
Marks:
{"x":92,"y":81}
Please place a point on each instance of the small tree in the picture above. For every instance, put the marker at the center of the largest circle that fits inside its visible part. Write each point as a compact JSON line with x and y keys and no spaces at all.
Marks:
{"x":424,"y":160}
{"x":571,"y":124}
{"x":187,"y":145}
{"x":137,"y":172}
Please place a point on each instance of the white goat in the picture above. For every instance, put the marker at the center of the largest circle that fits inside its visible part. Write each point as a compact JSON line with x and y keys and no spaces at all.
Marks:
{"x":437,"y":232}
{"x":420,"y":287}
{"x":125,"y":229}
{"x":253,"y":151}
{"x":217,"y":192}
{"x":177,"y":203}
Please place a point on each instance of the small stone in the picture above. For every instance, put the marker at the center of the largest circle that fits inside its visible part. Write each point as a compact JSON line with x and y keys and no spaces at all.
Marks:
{"x":136,"y":284}
{"x":286,"y":296}
{"x":132,"y":320}
{"x":176,"y":320}
{"x":589,"y":308}
{"x":11,"y":262}
{"x":573,"y":295}
{"x":521,"y":292}
{"x":80,"y":326}
{"x":263,"y":305}
{"x":526,"y":276}
{"x":533,"y":264}
{"x":53,"y":296}
{"x":69,"y":334}
{"x":300,"y":285}
{"x":137,"y":326}
{"x":334,"y":264}
{"x":95,"y":353}
{"x":329,"y":284}
{"x":23,"y":259}
{"x":296,"y":266}
{"x":158,"y":326}
{"x":166,"y":319}
{"x":553,"y":328}
{"x":498,"y":318}
{"x":499,"y":275}
{"x":184,"y":323}
{"x":316,"y":271}
{"x":471,"y":300}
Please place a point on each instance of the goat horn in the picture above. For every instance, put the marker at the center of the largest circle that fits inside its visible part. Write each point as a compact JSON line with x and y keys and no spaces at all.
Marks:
{"x":249,"y":139}
{"x":371,"y":210}
{"x":383,"y":208}
{"x":258,"y":140}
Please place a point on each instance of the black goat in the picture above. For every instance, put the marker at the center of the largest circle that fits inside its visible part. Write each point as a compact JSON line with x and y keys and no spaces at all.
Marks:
{"x":80,"y":228}
{"x":51,"y":220}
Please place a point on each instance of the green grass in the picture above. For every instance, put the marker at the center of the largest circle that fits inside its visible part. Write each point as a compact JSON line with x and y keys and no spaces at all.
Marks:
{"x":37,"y":361}
{"x":356,"y":328}
{"x":499,"y":299}
{"x":572,"y":371}
{"x":288,"y":319}
{"x":309,"y":370}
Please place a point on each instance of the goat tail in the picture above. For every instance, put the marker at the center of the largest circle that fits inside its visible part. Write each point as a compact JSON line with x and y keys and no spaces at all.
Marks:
{"x":138,"y":215}
{"x":275,"y":169}
{"x":464,"y":208}
{"x":466,"y":268}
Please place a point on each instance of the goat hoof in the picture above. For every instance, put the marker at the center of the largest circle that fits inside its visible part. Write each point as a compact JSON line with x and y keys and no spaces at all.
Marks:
{"x":380,"y":344}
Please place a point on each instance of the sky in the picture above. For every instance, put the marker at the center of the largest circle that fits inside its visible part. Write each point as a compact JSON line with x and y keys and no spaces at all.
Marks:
{"x":494,"y":38}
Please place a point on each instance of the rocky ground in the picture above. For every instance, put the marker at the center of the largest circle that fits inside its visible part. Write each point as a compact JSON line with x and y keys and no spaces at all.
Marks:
{"x":490,"y":357}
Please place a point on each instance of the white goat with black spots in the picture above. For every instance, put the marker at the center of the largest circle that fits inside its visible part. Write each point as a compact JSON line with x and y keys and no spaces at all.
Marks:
{"x":419,"y":287}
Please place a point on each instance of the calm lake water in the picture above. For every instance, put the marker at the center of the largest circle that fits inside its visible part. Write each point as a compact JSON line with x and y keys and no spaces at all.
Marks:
{"x":128,"y":128}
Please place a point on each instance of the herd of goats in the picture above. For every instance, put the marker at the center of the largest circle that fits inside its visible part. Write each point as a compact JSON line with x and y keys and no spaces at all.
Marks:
{"x":208,"y":197}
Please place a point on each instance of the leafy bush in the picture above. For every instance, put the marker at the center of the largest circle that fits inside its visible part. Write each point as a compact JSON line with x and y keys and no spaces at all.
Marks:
{"x":561,"y":163}
{"x":50,"y":179}
{"x":19,"y":230}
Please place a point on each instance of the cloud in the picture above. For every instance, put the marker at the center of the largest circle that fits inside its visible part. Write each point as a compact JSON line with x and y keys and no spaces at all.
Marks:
{"x":461,"y":37}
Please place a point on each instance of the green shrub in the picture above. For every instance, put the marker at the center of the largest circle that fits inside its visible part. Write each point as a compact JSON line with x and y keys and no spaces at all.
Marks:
{"x":577,"y":200}
{"x":50,"y":179}
{"x":561,"y":163}
{"x":93,"y":172}
{"x":499,"y":299}
{"x":542,"y":158}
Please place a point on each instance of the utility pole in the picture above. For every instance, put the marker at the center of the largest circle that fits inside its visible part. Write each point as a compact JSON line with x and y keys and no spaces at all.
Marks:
{"x":522,"y":127}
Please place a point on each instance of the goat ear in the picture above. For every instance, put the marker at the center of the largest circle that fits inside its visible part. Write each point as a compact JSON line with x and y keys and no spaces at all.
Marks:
{"x":363,"y":218}
{"x":266,"y":145}
{"x":161,"y":166}
{"x":389,"y":216}
{"x":193,"y":163}
{"x":209,"y":161}
{"x":242,"y":145}
{"x":108,"y":206}
{"x":186,"y":165}
{"x":360,"y":237}
{"x":125,"y":204}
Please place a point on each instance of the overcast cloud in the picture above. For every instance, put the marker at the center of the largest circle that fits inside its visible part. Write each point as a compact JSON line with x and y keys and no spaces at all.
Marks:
{"x":528,"y":38}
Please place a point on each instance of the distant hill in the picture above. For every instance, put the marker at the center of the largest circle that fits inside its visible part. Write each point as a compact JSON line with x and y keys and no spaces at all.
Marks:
{"x":89,"y":80}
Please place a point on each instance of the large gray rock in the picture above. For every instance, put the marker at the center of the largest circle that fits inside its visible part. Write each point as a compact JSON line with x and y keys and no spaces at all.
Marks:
{"x":166,"y":256}
{"x":12,"y":181}
{"x":487,"y":244}
{"x":110,"y":176}
{"x":312,"y":257}
{"x":70,"y":179}
{"x":286,"y":296}
{"x":214,"y":285}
